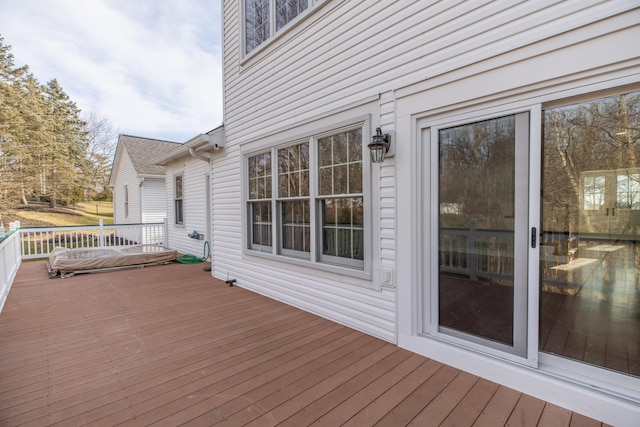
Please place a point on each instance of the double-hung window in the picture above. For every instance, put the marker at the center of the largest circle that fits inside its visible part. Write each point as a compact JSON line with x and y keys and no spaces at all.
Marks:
{"x":260,"y":190}
{"x":259,"y":16}
{"x":313,"y":208}
{"x":293,"y":200}
{"x":126,"y":201}
{"x":178,"y":205}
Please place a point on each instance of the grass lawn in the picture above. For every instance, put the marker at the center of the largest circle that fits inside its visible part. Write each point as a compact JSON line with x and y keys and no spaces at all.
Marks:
{"x":39,"y":214}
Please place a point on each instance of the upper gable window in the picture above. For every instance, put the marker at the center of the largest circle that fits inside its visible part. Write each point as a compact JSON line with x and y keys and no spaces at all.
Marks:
{"x":259,"y":16}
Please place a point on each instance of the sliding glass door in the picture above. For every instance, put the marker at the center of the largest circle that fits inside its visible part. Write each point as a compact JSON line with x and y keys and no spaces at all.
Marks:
{"x":483,"y":232}
{"x":590,"y":242}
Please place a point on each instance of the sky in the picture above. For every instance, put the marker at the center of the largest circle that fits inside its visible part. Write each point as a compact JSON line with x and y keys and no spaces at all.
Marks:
{"x":152,"y":68}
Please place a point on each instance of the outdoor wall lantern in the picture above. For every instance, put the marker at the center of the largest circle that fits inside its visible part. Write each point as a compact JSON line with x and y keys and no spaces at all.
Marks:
{"x":380,"y":146}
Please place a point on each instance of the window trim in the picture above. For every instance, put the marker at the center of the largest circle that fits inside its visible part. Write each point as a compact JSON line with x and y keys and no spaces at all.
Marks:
{"x":176,"y":199}
{"x":311,"y":134}
{"x":274,"y":34}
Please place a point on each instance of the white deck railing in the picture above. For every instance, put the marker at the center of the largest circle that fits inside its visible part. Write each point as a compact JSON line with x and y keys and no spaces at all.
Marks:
{"x":10,"y":260}
{"x":38,"y":242}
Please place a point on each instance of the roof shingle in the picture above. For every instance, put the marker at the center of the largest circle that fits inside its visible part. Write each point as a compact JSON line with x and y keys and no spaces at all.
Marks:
{"x":143,"y":150}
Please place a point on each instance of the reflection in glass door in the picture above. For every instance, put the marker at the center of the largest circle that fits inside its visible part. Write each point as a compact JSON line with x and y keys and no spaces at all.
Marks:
{"x":590,"y":243}
{"x":482,"y":231}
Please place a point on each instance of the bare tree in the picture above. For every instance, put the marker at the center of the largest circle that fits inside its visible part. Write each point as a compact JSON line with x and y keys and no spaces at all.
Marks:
{"x":102,"y":139}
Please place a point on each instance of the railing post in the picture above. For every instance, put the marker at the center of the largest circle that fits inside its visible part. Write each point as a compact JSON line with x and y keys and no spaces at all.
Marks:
{"x":165,"y":233}
{"x":473,"y":249}
{"x":101,"y":233}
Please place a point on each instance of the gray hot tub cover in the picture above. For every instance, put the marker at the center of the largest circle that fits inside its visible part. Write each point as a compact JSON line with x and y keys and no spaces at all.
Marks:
{"x":64,"y":261}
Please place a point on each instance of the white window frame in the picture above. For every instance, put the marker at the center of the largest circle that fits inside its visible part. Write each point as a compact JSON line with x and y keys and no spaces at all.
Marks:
{"x":274,"y":33}
{"x":180,"y":199}
{"x":314,"y":259}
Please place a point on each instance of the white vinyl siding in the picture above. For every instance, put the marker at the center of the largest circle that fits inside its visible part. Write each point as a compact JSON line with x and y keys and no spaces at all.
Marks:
{"x":405,"y":60}
{"x":193,"y":172}
{"x":153,"y":200}
{"x":128,"y":177}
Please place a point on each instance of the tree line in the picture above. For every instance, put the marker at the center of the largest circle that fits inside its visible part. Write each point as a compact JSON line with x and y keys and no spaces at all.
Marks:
{"x":49,"y":150}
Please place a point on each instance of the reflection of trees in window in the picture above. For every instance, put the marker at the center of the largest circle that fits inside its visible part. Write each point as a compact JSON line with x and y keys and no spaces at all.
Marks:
{"x":260,"y":176}
{"x":340,"y":163}
{"x":594,"y":192}
{"x":596,"y":135}
{"x":477,"y":173}
{"x":260,"y":218}
{"x":293,"y":171}
{"x":293,"y":193}
{"x":628,"y":191}
{"x":287,"y":10}
{"x":335,"y":206}
{"x":257,"y":27}
{"x":342,"y":228}
{"x":339,"y":175}
{"x":261,"y":224}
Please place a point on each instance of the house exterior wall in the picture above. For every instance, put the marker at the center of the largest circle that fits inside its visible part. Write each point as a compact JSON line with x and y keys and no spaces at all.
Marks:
{"x":126,"y":175}
{"x":400,"y":64}
{"x":194,"y":199}
{"x":154,"y":200}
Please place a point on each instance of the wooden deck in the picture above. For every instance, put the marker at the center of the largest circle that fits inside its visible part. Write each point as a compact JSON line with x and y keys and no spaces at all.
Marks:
{"x":171,"y":346}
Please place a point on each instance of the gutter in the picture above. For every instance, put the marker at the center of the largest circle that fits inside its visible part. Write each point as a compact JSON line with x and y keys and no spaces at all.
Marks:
{"x":194,"y":153}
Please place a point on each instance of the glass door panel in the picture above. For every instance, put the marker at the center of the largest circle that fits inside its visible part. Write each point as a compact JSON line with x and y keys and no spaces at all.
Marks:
{"x":483,"y":191}
{"x":590,"y":241}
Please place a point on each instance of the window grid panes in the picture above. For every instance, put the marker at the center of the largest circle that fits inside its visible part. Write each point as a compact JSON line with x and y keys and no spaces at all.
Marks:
{"x":257,"y":26}
{"x":293,"y":182}
{"x":332,"y":216}
{"x":343,"y":227}
{"x":628,"y":192}
{"x":593,"y":193}
{"x":293,"y":171}
{"x":296,"y":225}
{"x":260,"y":176}
{"x":340,"y":163}
{"x":261,"y":224}
{"x":340,"y":174}
{"x":259,"y":13}
{"x":287,"y":10}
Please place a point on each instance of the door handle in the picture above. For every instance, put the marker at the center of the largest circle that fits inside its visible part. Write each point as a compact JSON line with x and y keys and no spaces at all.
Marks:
{"x":534,"y":236}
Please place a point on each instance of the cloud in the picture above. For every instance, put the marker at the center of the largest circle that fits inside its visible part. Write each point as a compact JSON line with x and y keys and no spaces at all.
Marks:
{"x":153,"y":68}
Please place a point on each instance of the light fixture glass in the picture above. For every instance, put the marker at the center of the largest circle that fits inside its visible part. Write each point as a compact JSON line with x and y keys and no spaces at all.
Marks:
{"x":379,"y":146}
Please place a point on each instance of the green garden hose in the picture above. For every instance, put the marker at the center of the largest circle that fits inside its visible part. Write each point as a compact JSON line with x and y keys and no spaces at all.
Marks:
{"x":192,"y":259}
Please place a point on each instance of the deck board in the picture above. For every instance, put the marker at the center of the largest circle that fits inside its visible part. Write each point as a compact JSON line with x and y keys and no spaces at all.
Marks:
{"x":169,"y":345}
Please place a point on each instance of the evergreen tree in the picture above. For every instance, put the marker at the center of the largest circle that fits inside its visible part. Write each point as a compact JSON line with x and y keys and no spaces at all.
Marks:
{"x":46,"y":149}
{"x":64,"y":153}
